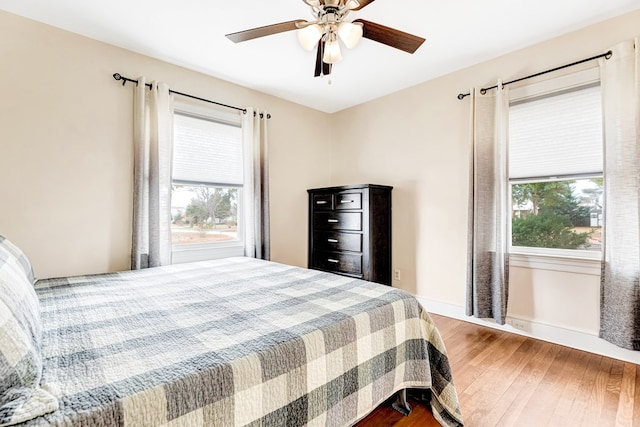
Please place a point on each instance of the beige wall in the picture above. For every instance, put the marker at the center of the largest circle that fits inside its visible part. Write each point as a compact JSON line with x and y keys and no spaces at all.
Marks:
{"x":66,"y":150}
{"x":417,"y":141}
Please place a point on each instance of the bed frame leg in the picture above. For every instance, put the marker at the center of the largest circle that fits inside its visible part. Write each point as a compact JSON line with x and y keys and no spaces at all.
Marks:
{"x":401,"y":403}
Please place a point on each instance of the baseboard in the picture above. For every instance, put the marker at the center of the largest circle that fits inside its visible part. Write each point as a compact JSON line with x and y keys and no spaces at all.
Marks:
{"x":555,"y":334}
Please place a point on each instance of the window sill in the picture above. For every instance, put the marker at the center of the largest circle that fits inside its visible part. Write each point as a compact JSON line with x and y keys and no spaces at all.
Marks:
{"x":204,"y":252}
{"x":568,"y":264}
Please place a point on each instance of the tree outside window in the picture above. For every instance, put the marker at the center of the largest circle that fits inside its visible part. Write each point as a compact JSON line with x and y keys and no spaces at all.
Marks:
{"x":558,"y":214}
{"x":203,"y":214}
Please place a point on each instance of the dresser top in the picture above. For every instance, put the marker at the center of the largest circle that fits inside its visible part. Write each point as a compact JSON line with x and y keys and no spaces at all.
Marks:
{"x":349,"y":187}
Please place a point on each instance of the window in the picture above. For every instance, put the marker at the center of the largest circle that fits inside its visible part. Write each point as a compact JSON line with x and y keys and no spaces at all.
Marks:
{"x":556,"y":170}
{"x":206,"y":199}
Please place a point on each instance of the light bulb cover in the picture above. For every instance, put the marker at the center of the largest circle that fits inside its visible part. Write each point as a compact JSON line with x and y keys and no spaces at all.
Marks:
{"x":309,"y":36}
{"x":332,"y":52}
{"x":350,"y":33}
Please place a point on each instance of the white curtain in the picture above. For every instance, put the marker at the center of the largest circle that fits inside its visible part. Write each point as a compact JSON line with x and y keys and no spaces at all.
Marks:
{"x":153,"y":146}
{"x":620,"y":287}
{"x":487,"y":251}
{"x":256,"y":184}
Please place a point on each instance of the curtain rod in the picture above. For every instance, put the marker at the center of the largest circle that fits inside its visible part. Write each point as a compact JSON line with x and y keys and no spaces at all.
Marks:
{"x":484,"y":90}
{"x":118,"y":76}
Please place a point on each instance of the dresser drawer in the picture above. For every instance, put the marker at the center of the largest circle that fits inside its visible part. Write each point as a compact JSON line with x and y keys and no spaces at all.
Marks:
{"x":323,"y":202}
{"x":338,"y":262}
{"x":349,"y":200}
{"x":337,"y":221}
{"x":337,"y":241}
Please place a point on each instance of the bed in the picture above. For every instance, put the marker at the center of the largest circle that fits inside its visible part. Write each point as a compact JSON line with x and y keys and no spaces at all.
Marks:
{"x":237,"y":341}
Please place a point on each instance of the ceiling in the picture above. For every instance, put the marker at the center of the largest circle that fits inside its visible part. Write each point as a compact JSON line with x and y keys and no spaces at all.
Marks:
{"x":191,"y":33}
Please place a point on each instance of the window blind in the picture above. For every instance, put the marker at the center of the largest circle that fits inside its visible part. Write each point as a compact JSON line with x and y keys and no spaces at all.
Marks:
{"x":556,"y":135}
{"x":206,"y":152}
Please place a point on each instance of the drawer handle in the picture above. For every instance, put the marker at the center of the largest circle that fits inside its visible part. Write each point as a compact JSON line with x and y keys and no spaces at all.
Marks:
{"x":321,"y":202}
{"x":332,"y":241}
{"x":347,"y":201}
{"x":335,"y":261}
{"x":332,"y":220}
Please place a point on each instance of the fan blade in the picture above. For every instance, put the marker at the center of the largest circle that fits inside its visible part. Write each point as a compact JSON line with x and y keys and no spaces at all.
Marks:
{"x":390,"y":36}
{"x":318,"y":69}
{"x":326,"y":68}
{"x":363,"y":3}
{"x":321,"y":66}
{"x":243,"y":36}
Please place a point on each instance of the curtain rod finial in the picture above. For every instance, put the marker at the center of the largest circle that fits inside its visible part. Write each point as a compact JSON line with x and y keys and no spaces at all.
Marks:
{"x":118,"y":77}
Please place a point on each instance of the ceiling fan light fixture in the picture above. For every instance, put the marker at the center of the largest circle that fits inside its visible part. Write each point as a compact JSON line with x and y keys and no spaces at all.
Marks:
{"x":332,"y":52}
{"x":329,"y":28}
{"x":309,"y":36}
{"x":350,"y":33}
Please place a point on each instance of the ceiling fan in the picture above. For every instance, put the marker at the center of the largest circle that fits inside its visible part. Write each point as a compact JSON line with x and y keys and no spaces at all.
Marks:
{"x":329,"y":26}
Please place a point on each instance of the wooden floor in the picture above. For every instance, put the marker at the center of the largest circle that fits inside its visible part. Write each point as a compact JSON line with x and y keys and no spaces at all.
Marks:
{"x":506,"y":379}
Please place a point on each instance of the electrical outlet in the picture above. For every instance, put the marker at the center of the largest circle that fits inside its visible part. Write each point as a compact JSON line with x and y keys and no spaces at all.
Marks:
{"x":396,"y":274}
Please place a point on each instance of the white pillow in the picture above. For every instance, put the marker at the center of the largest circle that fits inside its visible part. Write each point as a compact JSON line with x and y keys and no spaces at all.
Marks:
{"x":21,"y":397}
{"x":21,"y":258}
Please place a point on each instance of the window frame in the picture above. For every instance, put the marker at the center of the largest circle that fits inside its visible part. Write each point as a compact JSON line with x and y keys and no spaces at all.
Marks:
{"x":565,"y":260}
{"x":182,"y":253}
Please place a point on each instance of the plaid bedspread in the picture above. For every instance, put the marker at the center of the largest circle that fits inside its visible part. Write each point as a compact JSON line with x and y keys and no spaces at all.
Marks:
{"x":231,"y":342}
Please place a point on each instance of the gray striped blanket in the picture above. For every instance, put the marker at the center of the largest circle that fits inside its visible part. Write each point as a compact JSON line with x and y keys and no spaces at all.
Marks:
{"x":231,"y":342}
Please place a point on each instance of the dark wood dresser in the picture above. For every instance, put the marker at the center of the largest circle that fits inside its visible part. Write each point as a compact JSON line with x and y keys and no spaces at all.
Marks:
{"x":350,"y":231}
